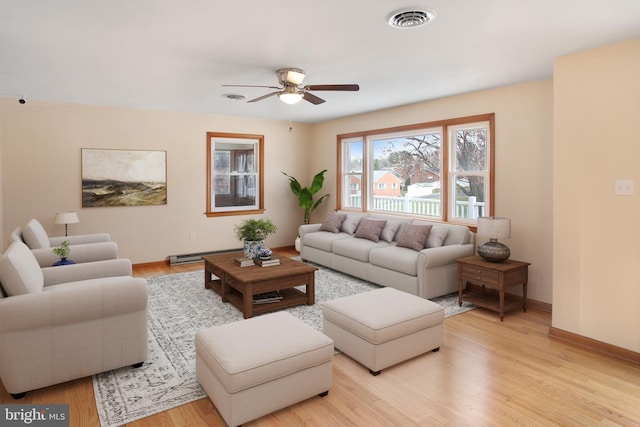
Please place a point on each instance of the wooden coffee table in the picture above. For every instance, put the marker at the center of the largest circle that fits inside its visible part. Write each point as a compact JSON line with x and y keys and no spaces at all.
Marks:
{"x":237,"y":285}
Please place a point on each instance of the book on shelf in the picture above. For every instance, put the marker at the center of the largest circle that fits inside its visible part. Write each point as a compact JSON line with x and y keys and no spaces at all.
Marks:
{"x":266,"y":262}
{"x":244,"y":262}
{"x":266,"y":297}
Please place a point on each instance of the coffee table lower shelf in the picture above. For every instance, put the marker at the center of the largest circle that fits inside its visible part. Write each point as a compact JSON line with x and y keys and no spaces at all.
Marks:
{"x":290,"y":297}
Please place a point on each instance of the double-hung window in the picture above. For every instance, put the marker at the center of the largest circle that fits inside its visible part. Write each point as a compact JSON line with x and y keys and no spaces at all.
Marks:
{"x":440,"y":170}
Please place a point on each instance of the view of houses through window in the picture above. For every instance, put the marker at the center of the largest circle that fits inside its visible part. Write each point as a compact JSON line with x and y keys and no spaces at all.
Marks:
{"x":441,"y":170}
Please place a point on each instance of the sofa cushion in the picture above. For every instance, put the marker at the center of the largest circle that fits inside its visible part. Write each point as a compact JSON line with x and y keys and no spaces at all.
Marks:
{"x":323,"y":240}
{"x":436,"y":236}
{"x":333,"y":222}
{"x":392,"y":257}
{"x":19,"y":270}
{"x":34,"y":235}
{"x":356,"y":248}
{"x":413,"y":236}
{"x":370,"y":229}
{"x":351,"y":223}
{"x":390,"y":230}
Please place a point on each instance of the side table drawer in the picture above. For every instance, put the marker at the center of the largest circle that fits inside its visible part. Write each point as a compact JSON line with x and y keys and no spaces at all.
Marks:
{"x":487,"y":277}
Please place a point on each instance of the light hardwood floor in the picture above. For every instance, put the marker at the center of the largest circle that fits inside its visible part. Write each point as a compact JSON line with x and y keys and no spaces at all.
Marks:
{"x":487,"y":373}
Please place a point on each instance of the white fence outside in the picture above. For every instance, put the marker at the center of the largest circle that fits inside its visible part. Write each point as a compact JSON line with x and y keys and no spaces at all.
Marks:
{"x":469,"y":209}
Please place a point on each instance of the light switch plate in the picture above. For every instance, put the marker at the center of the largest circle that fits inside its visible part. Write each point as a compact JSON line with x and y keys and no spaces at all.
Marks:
{"x":624,"y":187}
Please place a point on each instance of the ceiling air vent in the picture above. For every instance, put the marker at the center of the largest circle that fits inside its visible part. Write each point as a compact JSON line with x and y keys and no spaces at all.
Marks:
{"x":233,"y":96}
{"x":409,"y":18}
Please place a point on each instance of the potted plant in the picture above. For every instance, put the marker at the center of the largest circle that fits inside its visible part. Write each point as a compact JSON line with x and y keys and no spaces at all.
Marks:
{"x":305,"y":195}
{"x":63,"y":252}
{"x":253,"y":232}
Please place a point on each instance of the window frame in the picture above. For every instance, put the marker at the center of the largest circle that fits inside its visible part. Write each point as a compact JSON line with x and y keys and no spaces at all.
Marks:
{"x":241,"y":140}
{"x":446,"y":211}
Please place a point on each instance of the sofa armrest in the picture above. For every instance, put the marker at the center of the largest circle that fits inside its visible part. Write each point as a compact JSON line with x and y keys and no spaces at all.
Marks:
{"x":71,"y":303}
{"x":88,"y":270}
{"x":308,"y":228}
{"x":443,"y":255}
{"x":80,"y":239}
{"x":88,"y":252}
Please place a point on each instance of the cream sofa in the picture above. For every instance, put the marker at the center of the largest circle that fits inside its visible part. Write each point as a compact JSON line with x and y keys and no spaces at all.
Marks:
{"x":428,"y":271}
{"x":62,"y":323}
{"x":83,"y":248}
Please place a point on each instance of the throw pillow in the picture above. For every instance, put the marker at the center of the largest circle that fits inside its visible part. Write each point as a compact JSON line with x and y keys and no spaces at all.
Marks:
{"x":351,"y":223}
{"x":19,"y":270}
{"x":436,"y":237}
{"x":34,"y":235}
{"x":413,"y":236}
{"x":370,"y":229}
{"x":333,"y":222}
{"x":389,"y":231}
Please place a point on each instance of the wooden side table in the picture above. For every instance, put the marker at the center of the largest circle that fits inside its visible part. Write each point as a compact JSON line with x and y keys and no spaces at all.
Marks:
{"x":493,"y":275}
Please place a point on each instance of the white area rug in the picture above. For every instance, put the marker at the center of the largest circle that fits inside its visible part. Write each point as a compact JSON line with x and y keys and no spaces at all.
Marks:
{"x":179,"y":306}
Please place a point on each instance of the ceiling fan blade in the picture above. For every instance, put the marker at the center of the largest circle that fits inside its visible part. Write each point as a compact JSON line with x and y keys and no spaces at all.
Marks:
{"x":312,"y":98}
{"x":268,"y":87}
{"x":350,"y":87}
{"x":260,"y":98}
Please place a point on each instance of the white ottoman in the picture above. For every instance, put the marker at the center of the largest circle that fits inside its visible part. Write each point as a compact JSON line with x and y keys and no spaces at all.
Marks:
{"x":383,"y":327}
{"x":256,"y":366}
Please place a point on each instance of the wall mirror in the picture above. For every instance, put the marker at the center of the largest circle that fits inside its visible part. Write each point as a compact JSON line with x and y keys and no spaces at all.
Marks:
{"x":234,"y":174}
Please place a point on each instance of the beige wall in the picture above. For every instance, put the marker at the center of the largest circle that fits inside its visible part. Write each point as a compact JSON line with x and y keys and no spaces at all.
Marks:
{"x":41,"y":174}
{"x":523,"y":161}
{"x":596,"y":235}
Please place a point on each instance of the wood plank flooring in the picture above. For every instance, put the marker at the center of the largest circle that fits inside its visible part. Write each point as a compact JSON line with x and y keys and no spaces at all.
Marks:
{"x":487,"y":373}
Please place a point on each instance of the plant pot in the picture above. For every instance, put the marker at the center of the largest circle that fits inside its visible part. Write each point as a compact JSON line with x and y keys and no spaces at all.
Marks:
{"x":64,"y":261}
{"x":252,"y":247}
{"x":297,"y":244}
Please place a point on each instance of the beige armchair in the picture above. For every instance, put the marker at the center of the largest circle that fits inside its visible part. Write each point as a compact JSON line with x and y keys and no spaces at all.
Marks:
{"x":62,"y":323}
{"x":83,"y":248}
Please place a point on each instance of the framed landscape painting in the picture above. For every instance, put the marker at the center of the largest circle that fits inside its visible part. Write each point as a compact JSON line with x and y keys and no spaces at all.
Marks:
{"x":123,"y":177}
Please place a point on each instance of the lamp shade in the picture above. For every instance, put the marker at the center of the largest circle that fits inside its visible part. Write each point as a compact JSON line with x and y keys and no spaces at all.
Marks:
{"x":66,"y":218}
{"x":494,"y":227}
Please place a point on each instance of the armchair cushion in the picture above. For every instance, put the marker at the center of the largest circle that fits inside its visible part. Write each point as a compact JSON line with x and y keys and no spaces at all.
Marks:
{"x":20,"y":273}
{"x":34,"y":235}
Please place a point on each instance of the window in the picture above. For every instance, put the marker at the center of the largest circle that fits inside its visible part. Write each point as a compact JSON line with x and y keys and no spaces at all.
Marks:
{"x":234,"y":174}
{"x":441,"y":170}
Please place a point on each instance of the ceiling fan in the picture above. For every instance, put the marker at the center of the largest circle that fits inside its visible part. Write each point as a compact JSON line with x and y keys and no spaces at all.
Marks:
{"x":291,"y":91}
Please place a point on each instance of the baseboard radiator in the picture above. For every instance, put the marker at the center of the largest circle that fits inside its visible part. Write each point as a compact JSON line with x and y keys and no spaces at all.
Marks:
{"x":195,"y":257}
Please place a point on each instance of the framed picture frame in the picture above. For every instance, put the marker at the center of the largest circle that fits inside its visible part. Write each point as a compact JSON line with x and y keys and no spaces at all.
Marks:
{"x":114,"y":177}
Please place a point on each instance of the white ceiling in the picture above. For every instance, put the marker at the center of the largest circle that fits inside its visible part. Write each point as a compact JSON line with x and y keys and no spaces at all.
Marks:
{"x":176,"y":55}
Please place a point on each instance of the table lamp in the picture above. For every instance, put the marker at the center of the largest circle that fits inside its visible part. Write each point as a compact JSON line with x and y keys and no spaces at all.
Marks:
{"x":66,"y":218}
{"x":494,"y":228}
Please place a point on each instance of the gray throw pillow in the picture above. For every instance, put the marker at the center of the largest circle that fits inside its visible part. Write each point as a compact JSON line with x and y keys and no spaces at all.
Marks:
{"x":390,"y":229}
{"x":436,"y":237}
{"x":333,"y":222}
{"x":351,"y":223}
{"x":370,"y":229}
{"x":413,"y":236}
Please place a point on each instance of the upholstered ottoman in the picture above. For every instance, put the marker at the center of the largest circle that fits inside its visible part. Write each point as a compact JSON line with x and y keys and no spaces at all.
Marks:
{"x":256,"y":366}
{"x":383,"y":327}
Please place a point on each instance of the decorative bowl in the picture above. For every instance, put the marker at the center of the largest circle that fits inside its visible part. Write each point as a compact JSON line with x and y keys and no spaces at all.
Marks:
{"x":265,"y":253}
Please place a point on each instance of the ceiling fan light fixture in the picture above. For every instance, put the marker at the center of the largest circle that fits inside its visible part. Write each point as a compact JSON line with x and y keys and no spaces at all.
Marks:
{"x":290,"y":97}
{"x":293,"y":76}
{"x":410,"y":18}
